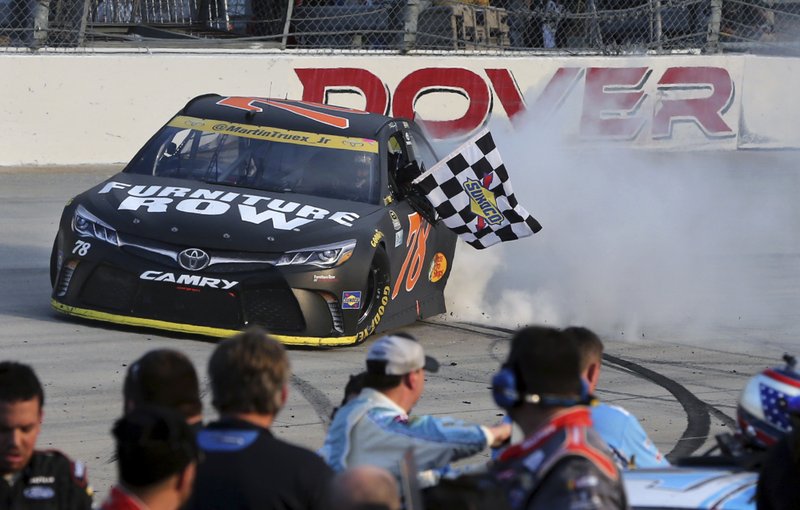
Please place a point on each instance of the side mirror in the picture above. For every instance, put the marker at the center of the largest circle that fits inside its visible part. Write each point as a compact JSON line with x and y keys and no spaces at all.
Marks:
{"x":170,"y":150}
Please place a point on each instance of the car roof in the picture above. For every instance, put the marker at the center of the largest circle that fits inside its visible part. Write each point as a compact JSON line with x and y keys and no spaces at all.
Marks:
{"x":288,"y":114}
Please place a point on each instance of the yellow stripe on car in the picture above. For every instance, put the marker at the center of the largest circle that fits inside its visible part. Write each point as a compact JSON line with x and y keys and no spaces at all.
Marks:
{"x":189,"y":328}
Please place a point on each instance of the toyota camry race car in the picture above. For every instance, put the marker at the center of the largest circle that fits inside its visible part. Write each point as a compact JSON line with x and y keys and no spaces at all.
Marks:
{"x":294,"y":216}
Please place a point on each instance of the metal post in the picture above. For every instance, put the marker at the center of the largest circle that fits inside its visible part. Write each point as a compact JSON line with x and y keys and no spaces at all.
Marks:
{"x":657,"y":33}
{"x":714,"y":22}
{"x":87,"y":9}
{"x":410,"y":17}
{"x":286,"y":26}
{"x":41,"y":17}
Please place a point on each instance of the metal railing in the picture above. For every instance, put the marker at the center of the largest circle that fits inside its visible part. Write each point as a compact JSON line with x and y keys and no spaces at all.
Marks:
{"x":399,"y":26}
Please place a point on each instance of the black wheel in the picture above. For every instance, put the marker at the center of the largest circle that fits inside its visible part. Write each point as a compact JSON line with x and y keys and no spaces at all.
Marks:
{"x":376,"y":295}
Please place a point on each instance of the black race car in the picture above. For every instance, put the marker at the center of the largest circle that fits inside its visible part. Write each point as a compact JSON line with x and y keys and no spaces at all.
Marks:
{"x":295,"y":216}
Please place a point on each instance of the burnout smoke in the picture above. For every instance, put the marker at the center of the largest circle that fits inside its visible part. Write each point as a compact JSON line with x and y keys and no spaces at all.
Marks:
{"x":698,"y":247}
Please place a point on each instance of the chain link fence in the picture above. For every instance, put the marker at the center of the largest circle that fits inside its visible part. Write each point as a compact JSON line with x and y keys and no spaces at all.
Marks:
{"x":400,"y":26}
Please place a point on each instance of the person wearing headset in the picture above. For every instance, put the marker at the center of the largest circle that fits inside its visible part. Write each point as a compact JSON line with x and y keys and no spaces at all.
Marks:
{"x":561,"y":462}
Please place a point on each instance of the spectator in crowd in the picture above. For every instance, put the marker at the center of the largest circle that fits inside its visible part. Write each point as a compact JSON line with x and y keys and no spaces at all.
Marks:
{"x":245,"y":466}
{"x":375,"y":428}
{"x":364,"y":487}
{"x":780,"y":473}
{"x":620,"y":429}
{"x":157,"y":457}
{"x":33,"y":478}
{"x":164,"y":377}
{"x":562,"y":460}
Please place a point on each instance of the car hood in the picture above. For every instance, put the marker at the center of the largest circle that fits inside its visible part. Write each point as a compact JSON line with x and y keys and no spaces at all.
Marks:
{"x":190,"y":213}
{"x":696,"y":488}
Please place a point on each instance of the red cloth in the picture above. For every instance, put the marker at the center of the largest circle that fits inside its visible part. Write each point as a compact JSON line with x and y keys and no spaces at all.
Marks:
{"x":120,"y":499}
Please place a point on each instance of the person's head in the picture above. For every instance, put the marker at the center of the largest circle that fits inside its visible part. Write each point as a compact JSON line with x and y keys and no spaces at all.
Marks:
{"x":351,"y":390}
{"x":542,"y":373}
{"x":164,"y":377}
{"x":364,"y":488}
{"x":21,"y":402}
{"x":767,"y":403}
{"x":590,"y":348}
{"x":396,"y":365}
{"x":157,"y":454}
{"x":249,"y":373}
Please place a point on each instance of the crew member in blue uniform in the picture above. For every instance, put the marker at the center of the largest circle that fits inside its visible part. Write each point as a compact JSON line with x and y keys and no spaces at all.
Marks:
{"x":619,"y":429}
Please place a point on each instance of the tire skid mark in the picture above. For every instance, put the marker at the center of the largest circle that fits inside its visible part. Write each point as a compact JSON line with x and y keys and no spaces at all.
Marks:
{"x":698,"y":420}
{"x":320,"y":402}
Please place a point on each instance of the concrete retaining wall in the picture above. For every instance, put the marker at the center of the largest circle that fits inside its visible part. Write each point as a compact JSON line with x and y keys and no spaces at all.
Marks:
{"x":100,"y":108}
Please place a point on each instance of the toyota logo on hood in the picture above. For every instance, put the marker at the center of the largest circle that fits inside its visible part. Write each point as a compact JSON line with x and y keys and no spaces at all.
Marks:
{"x":193,"y":259}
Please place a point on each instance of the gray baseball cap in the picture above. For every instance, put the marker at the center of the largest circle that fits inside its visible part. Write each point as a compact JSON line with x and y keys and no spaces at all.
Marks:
{"x":398,"y":355}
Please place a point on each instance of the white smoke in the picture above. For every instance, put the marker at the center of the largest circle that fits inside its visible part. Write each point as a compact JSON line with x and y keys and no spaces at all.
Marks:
{"x":690,"y":247}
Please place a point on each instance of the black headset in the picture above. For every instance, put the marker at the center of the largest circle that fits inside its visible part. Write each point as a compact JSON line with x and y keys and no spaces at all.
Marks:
{"x":508,"y":392}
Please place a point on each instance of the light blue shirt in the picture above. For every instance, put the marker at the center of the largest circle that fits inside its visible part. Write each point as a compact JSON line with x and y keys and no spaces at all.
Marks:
{"x":626,"y":437}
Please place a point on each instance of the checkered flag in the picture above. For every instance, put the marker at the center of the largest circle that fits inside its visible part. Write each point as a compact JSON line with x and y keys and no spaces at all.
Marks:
{"x":472,"y":195}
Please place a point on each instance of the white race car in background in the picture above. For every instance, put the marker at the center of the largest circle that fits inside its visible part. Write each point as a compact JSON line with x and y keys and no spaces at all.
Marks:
{"x":720,"y":488}
{"x":727,"y":479}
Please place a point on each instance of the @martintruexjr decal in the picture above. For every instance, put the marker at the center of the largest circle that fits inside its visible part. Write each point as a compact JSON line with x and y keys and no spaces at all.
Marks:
{"x":257,"y":209}
{"x":275,"y":134}
{"x":351,"y":300}
{"x":482,"y":202}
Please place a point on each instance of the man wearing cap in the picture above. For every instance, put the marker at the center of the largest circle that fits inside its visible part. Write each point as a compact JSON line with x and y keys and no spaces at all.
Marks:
{"x":30,"y":478}
{"x":156,"y":459}
{"x":375,"y":428}
{"x":562,"y":462}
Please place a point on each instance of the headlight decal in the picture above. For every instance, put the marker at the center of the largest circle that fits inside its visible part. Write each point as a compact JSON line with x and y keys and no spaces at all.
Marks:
{"x":330,"y":255}
{"x":86,"y":224}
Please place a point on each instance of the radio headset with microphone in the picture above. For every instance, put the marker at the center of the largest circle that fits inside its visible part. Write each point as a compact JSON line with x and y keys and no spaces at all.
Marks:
{"x":508,"y":392}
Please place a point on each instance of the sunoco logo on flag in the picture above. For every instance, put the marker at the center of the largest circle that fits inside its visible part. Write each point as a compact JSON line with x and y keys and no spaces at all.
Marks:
{"x":472,"y":195}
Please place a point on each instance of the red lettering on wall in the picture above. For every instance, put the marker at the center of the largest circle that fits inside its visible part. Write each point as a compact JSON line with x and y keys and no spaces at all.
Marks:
{"x":706,"y":111}
{"x":611,"y":101}
{"x":556,"y":91}
{"x":317,"y":83}
{"x":444,"y":80}
{"x":507,"y":91}
{"x":617,"y":103}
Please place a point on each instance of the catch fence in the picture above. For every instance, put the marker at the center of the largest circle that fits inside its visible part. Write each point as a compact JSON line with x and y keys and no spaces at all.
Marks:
{"x":403,"y":26}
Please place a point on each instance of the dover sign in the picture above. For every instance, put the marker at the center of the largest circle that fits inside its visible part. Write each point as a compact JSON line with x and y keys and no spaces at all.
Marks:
{"x":643,"y":104}
{"x":121,"y":99}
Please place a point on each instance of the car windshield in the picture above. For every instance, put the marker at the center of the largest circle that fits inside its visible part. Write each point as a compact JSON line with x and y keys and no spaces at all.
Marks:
{"x":263,"y":158}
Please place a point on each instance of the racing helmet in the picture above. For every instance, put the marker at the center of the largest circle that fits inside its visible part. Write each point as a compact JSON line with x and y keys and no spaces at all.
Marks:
{"x":765,"y":405}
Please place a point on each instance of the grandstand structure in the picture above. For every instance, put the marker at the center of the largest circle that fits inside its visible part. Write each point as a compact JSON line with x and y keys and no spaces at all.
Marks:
{"x":604,"y":27}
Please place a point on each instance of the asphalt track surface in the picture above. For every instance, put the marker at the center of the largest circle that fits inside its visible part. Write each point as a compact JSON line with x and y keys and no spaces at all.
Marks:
{"x":682,"y":393}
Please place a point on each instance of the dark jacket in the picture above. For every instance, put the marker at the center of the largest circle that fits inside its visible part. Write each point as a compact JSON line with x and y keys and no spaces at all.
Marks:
{"x":50,"y":481}
{"x":245,"y":467}
{"x":563,"y":465}
{"x":780,"y":475}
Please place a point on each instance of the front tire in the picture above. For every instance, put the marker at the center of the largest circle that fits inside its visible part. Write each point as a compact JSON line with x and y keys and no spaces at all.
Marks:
{"x":376,"y":295}
{"x":54,"y":263}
